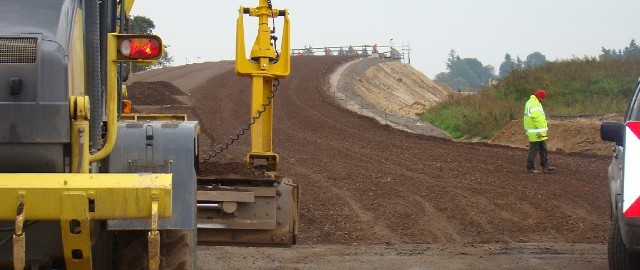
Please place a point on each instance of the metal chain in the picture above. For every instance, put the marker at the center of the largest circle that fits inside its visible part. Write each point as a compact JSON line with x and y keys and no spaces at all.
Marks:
{"x":220,"y":148}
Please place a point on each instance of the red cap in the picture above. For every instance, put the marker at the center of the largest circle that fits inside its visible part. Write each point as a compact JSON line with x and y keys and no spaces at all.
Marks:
{"x":541,"y":94}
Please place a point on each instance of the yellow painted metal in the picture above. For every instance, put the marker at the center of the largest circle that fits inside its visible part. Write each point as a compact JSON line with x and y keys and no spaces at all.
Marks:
{"x":81,"y":107}
{"x":80,"y":146}
{"x":112,"y":93}
{"x":154,"y":250}
{"x":263,"y":67}
{"x":111,"y":100}
{"x":80,"y":135}
{"x":128,"y":4}
{"x":113,"y":196}
{"x":261,"y":134}
{"x":19,"y":258}
{"x":75,"y":230}
{"x":263,"y":51}
{"x":154,"y":238}
{"x":76,"y":65}
{"x":261,"y":130}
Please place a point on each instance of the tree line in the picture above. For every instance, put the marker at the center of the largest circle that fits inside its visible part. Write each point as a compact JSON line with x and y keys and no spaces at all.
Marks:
{"x":620,"y":54}
{"x":470,"y":75}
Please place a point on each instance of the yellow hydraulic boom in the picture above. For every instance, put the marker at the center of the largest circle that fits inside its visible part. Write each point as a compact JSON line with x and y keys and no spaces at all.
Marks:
{"x":264,"y":66}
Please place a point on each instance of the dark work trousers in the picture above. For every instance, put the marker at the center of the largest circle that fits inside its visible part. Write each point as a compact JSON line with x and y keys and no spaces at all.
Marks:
{"x":534,"y":148}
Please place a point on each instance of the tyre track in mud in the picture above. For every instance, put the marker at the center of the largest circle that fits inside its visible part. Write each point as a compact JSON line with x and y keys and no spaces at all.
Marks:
{"x":363,"y":182}
{"x":365,"y":219}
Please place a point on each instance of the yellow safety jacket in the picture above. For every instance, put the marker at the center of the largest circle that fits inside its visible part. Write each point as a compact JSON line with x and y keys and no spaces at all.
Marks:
{"x":535,"y":122}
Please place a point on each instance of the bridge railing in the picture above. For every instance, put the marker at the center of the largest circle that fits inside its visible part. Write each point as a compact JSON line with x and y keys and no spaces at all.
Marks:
{"x":395,"y":52}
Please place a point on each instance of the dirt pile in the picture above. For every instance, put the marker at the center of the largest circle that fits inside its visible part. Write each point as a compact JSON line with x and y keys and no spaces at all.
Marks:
{"x":396,"y":87}
{"x":184,"y":77}
{"x":580,"y":135}
{"x":365,"y":183}
{"x":154,"y":93}
{"x":391,"y":92}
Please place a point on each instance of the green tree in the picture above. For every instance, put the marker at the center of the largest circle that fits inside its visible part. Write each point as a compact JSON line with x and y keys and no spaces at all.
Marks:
{"x":610,"y":54}
{"x":519,"y":63}
{"x":442,"y":77}
{"x":141,"y":25}
{"x":535,"y":59}
{"x":632,"y":49}
{"x":507,"y":65}
{"x":465,"y":74}
{"x":165,"y":59}
{"x":452,"y":58}
{"x":145,"y":26}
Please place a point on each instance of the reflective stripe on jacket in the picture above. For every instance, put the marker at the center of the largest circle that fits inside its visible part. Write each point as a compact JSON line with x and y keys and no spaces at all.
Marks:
{"x":535,"y":122}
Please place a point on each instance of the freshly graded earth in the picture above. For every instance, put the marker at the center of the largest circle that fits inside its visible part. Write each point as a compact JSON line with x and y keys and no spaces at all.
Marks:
{"x":374,"y":196}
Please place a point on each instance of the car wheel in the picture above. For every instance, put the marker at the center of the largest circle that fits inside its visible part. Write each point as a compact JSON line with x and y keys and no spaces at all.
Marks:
{"x":619,"y":257}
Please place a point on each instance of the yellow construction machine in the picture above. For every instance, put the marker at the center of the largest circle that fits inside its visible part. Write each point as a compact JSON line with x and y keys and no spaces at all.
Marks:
{"x":260,"y":209}
{"x":84,"y":186}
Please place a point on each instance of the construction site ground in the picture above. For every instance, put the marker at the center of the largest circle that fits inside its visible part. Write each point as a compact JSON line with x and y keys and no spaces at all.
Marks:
{"x":381,"y":189}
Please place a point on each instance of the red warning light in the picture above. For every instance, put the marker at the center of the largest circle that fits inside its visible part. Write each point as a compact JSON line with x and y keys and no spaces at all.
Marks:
{"x":140,"y":48}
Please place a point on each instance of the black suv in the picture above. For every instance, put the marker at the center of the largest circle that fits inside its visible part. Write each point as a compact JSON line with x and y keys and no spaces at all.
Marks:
{"x":624,"y":186}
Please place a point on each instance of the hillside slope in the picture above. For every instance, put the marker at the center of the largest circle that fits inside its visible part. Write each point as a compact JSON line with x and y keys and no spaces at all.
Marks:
{"x":391,"y":92}
{"x":366,"y":183}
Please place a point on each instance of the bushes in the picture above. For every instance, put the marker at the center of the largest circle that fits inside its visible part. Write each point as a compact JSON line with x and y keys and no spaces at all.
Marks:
{"x":574,"y":87}
{"x":471,"y":116}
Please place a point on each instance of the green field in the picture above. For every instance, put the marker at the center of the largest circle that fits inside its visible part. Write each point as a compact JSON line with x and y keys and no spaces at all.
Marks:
{"x":574,"y":87}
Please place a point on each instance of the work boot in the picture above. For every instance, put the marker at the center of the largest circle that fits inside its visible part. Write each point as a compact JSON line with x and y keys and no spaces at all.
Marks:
{"x":549,"y":170}
{"x":533,"y":171}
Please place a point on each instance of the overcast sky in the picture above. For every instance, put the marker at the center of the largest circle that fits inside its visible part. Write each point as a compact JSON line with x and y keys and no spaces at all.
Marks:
{"x":204,"y":30}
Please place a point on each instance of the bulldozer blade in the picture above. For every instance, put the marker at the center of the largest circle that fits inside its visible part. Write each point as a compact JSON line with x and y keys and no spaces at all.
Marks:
{"x":243,"y":212}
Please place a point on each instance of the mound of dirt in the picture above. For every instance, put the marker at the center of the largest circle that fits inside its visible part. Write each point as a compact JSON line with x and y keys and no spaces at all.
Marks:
{"x":400,"y":89}
{"x":185,"y":77}
{"x":581,"y":135}
{"x":364,"y":183}
{"x":389,"y":91}
{"x":154,"y":93}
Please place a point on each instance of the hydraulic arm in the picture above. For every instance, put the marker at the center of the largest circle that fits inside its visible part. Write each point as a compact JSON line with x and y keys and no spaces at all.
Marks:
{"x":263,"y":67}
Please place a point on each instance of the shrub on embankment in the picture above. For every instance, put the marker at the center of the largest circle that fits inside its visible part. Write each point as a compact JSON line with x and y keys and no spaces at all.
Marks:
{"x":574,"y":87}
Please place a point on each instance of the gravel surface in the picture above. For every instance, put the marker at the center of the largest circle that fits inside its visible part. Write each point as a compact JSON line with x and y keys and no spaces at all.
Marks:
{"x":364,"y":183}
{"x":154,"y":93}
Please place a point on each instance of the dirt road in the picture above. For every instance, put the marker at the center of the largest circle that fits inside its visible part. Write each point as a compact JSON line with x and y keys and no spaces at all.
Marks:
{"x":374,"y":197}
{"x":408,"y":256}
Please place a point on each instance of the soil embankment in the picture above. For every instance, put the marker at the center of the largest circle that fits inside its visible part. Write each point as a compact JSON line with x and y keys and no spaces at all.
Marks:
{"x":575,"y":135}
{"x":374,"y":195}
